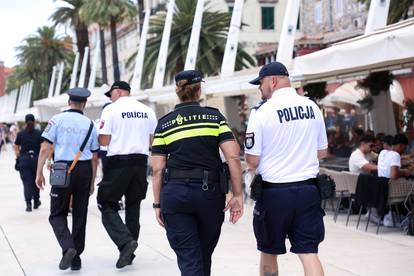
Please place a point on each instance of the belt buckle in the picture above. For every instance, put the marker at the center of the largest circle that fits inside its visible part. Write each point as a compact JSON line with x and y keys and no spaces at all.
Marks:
{"x":204,"y":187}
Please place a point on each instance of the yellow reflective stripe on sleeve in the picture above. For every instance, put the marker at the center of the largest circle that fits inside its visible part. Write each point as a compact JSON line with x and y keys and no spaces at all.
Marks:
{"x":224,"y":128}
{"x":158,"y":142}
{"x":191,"y":133}
{"x":188,"y":125}
{"x":223,"y":122}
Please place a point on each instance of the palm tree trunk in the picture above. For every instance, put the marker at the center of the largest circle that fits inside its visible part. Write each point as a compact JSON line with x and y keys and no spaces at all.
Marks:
{"x":114,"y":43}
{"x":103,"y":55}
{"x":141,"y":14}
{"x":82,"y":37}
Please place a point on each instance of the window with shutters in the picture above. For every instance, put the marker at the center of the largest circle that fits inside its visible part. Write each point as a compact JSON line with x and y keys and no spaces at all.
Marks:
{"x":268,"y":18}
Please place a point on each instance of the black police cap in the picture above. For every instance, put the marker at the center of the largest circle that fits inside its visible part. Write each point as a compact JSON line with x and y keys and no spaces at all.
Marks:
{"x":118,"y":85}
{"x":272,"y":69}
{"x":29,"y":118}
{"x":78,"y":94}
{"x":192,"y":76}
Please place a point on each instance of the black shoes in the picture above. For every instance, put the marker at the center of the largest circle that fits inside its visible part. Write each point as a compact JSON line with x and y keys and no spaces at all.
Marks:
{"x":28,"y":206}
{"x":67,"y":258}
{"x":76,"y":263}
{"x":36,"y":203}
{"x":131,"y":259}
{"x":125,"y":257}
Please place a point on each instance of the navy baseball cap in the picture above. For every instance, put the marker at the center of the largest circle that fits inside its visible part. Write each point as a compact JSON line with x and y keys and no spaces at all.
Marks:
{"x":118,"y":85}
{"x":272,"y":69}
{"x":192,"y":76}
{"x":29,"y":118}
{"x":78,"y":94}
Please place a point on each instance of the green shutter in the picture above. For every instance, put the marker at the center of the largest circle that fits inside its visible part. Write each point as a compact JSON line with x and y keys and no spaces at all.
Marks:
{"x":268,"y":18}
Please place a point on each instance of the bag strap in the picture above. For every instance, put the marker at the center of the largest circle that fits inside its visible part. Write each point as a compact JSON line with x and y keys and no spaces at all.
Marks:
{"x":78,"y":154}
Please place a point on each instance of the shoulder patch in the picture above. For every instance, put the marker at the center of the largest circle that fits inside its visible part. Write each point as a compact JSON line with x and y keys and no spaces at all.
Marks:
{"x":249,"y":140}
{"x":257,"y":106}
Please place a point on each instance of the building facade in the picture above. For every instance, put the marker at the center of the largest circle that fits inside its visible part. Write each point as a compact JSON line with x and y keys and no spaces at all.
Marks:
{"x":4,"y":73}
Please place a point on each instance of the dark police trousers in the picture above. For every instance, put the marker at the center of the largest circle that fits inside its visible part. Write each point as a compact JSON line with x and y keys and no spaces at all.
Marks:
{"x":193,"y":220}
{"x":79,"y":188}
{"x":122,"y":179}
{"x":27,"y":170}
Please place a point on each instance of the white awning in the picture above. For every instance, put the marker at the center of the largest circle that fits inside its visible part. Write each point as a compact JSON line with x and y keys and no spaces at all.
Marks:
{"x":389,"y":48}
{"x":238,"y":84}
{"x":348,"y":93}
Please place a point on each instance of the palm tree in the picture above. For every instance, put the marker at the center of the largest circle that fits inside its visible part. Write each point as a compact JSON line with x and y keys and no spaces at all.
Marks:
{"x":399,"y":9}
{"x":212,"y":43}
{"x":112,"y":12}
{"x":70,"y":13}
{"x":37,"y":55}
{"x":140,"y":6}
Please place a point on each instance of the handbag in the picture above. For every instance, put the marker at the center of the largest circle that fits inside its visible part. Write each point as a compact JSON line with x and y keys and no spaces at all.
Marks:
{"x":326,"y":186}
{"x":60,"y":171}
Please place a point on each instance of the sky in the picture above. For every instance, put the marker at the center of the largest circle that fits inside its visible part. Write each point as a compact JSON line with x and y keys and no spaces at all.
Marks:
{"x":19,"y":19}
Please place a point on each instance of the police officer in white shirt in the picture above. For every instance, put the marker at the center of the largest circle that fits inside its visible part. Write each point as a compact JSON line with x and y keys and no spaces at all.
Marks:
{"x":389,"y":161}
{"x":361,"y":159}
{"x":126,"y":128}
{"x":284,"y":140}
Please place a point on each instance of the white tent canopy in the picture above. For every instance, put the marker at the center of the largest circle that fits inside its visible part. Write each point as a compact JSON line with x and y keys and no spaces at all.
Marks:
{"x":388,"y":48}
{"x":238,"y":84}
{"x":348,"y":93}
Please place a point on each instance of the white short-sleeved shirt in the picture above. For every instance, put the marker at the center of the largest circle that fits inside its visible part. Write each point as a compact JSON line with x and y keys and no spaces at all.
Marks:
{"x":358,"y":159}
{"x":130,"y":124}
{"x":386,"y":160}
{"x":286,"y":132}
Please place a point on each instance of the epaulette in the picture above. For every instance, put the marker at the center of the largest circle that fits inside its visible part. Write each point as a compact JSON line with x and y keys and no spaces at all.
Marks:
{"x":257,"y":106}
{"x":216,"y":109}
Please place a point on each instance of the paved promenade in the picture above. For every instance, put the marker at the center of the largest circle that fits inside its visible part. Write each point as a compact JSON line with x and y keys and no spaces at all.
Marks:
{"x":28,"y":246}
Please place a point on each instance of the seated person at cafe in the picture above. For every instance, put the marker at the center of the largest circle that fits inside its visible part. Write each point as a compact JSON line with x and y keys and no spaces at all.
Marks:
{"x":341,"y":148}
{"x":361,"y":160}
{"x":389,"y":161}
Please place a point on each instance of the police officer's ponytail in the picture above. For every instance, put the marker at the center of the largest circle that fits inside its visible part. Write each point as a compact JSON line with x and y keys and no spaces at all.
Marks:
{"x":187,"y":92}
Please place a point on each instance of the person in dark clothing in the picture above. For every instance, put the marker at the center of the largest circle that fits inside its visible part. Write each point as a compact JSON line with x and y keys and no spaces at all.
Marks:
{"x":189,"y":199}
{"x":341,"y":149}
{"x":26,"y":147}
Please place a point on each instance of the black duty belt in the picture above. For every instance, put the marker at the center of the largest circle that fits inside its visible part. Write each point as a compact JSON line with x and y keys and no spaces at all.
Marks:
{"x":129,"y":159}
{"x":31,"y":152}
{"x":267,"y":184}
{"x":204,"y":176}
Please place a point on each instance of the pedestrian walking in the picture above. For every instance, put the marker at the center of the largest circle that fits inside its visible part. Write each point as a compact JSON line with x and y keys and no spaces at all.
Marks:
{"x":74,"y":139}
{"x":188,"y":180}
{"x":27,"y":147}
{"x":284,"y":140}
{"x":126,"y":129}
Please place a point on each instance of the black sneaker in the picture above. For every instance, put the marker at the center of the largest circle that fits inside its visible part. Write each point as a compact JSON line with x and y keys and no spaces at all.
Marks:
{"x":76,"y":263}
{"x":28,"y":206}
{"x":67,"y":258}
{"x":126,"y":253}
{"x":131,"y":259}
{"x":36,"y":203}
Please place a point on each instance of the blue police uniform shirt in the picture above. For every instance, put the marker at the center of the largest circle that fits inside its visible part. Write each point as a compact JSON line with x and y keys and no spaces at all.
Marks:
{"x":66,"y":131}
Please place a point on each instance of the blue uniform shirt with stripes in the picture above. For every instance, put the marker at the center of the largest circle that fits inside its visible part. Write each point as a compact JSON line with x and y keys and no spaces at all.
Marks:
{"x":66,"y":131}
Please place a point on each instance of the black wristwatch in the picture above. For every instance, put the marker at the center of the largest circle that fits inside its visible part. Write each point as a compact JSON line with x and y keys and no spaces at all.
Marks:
{"x":156,"y":205}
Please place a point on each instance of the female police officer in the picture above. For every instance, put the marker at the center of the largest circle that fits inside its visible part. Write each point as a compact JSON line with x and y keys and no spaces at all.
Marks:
{"x":185,"y":151}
